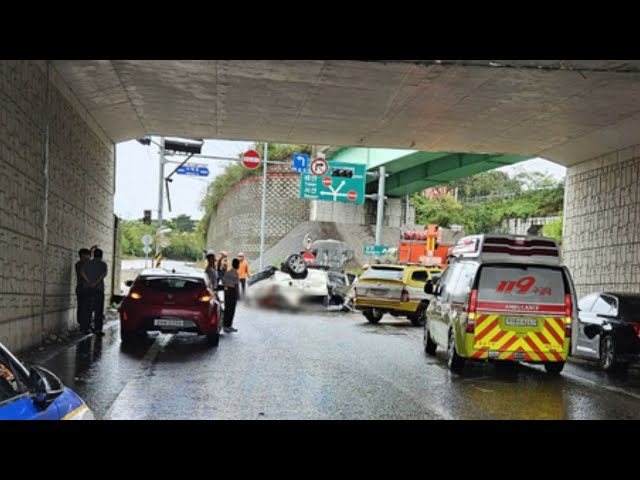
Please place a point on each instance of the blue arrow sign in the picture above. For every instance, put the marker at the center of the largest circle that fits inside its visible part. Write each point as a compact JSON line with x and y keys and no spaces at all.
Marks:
{"x":197,"y":170}
{"x":300,"y":162}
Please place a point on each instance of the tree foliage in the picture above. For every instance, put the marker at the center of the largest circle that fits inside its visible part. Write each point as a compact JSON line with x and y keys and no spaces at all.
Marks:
{"x":554,"y":230}
{"x":486,"y":184}
{"x":182,"y":245}
{"x":536,"y":194}
{"x":182,"y":223}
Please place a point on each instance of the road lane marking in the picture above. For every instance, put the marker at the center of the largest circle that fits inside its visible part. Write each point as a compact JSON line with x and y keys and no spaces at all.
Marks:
{"x":146,"y":364}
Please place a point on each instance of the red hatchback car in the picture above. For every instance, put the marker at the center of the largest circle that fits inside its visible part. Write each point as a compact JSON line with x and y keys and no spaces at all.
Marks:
{"x":169,"y":301}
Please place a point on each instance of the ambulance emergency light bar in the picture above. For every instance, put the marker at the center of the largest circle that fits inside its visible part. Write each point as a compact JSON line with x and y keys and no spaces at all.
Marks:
{"x":509,"y":248}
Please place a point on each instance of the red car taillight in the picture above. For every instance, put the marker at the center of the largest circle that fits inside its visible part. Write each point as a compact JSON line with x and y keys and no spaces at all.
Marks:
{"x":636,"y":327}
{"x":205,"y":298}
{"x":471,"y":308}
{"x":405,"y":295}
{"x":135,"y":295}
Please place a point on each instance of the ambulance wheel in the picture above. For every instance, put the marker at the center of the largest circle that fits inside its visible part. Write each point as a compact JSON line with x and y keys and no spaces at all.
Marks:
{"x":554,"y":368}
{"x":454,"y":361}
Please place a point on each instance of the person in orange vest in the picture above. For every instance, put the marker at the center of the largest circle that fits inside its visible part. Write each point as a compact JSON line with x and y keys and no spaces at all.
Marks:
{"x":243,"y":271}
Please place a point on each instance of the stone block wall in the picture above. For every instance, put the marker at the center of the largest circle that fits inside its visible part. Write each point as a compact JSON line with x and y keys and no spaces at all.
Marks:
{"x":235,"y":226}
{"x":48,"y":208}
{"x":602,"y":222}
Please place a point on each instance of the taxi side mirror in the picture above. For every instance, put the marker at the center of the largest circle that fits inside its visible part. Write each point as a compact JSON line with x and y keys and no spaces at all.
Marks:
{"x":128,"y":283}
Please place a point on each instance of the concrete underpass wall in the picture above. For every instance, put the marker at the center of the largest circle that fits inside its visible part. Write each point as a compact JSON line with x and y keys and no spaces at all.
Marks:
{"x":602,"y":222}
{"x":236,"y":224}
{"x":397,"y":212}
{"x":74,"y":188}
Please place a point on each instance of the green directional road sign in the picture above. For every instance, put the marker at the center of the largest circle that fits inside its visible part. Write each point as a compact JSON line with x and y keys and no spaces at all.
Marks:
{"x":375,"y":250}
{"x":333,"y":182}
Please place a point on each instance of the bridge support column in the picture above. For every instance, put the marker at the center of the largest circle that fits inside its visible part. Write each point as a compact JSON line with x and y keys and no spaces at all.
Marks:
{"x":602,"y":222}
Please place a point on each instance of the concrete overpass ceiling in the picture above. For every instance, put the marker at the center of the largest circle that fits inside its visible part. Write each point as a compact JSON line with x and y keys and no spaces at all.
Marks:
{"x":562,"y":110}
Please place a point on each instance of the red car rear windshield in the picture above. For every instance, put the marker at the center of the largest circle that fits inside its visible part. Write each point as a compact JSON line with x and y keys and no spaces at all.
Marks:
{"x":164,"y":284}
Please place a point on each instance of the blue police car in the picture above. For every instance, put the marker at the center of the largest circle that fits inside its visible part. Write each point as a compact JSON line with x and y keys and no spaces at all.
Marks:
{"x":36,"y":393}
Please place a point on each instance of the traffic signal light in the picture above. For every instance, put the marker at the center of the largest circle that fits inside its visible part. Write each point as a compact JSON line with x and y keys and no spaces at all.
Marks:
{"x":147,"y":217}
{"x":342,"y":172}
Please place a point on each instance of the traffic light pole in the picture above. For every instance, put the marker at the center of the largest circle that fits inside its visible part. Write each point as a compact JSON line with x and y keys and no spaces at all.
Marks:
{"x":160,"y":192}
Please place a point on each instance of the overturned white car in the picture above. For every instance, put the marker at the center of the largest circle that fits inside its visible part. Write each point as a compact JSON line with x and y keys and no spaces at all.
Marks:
{"x":296,"y":285}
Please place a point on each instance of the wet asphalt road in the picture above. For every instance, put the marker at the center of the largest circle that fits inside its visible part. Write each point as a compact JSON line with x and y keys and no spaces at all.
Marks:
{"x":323,"y":366}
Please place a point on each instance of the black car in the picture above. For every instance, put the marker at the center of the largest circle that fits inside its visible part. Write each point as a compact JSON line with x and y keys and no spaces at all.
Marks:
{"x":609,"y":329}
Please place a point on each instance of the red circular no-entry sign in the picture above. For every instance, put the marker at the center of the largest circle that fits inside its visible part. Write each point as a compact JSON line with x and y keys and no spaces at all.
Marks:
{"x":251,"y":159}
{"x":326,"y":181}
{"x":352,"y":195}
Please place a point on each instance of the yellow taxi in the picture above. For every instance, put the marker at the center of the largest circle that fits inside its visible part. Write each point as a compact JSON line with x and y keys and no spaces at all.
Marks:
{"x":394,"y":289}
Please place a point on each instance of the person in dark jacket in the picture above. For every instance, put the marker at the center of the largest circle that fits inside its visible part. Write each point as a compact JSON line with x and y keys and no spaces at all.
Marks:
{"x":231,"y":283}
{"x":96,"y":270}
{"x":82,"y":291}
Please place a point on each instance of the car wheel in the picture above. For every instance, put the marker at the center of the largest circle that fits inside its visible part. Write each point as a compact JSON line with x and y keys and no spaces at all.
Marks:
{"x":213,"y":339}
{"x":608,"y":353}
{"x":554,"y":368}
{"x":129,"y":337}
{"x":295,"y":266}
{"x":373,"y":315}
{"x":454,"y":361}
{"x":418,"y":319}
{"x":429,"y":345}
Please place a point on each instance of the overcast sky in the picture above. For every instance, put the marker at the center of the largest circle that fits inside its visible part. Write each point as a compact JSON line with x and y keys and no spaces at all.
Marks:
{"x":137,"y":178}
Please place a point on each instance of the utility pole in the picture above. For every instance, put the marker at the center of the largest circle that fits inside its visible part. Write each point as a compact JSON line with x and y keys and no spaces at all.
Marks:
{"x":160,"y":193}
{"x":264,"y":202}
